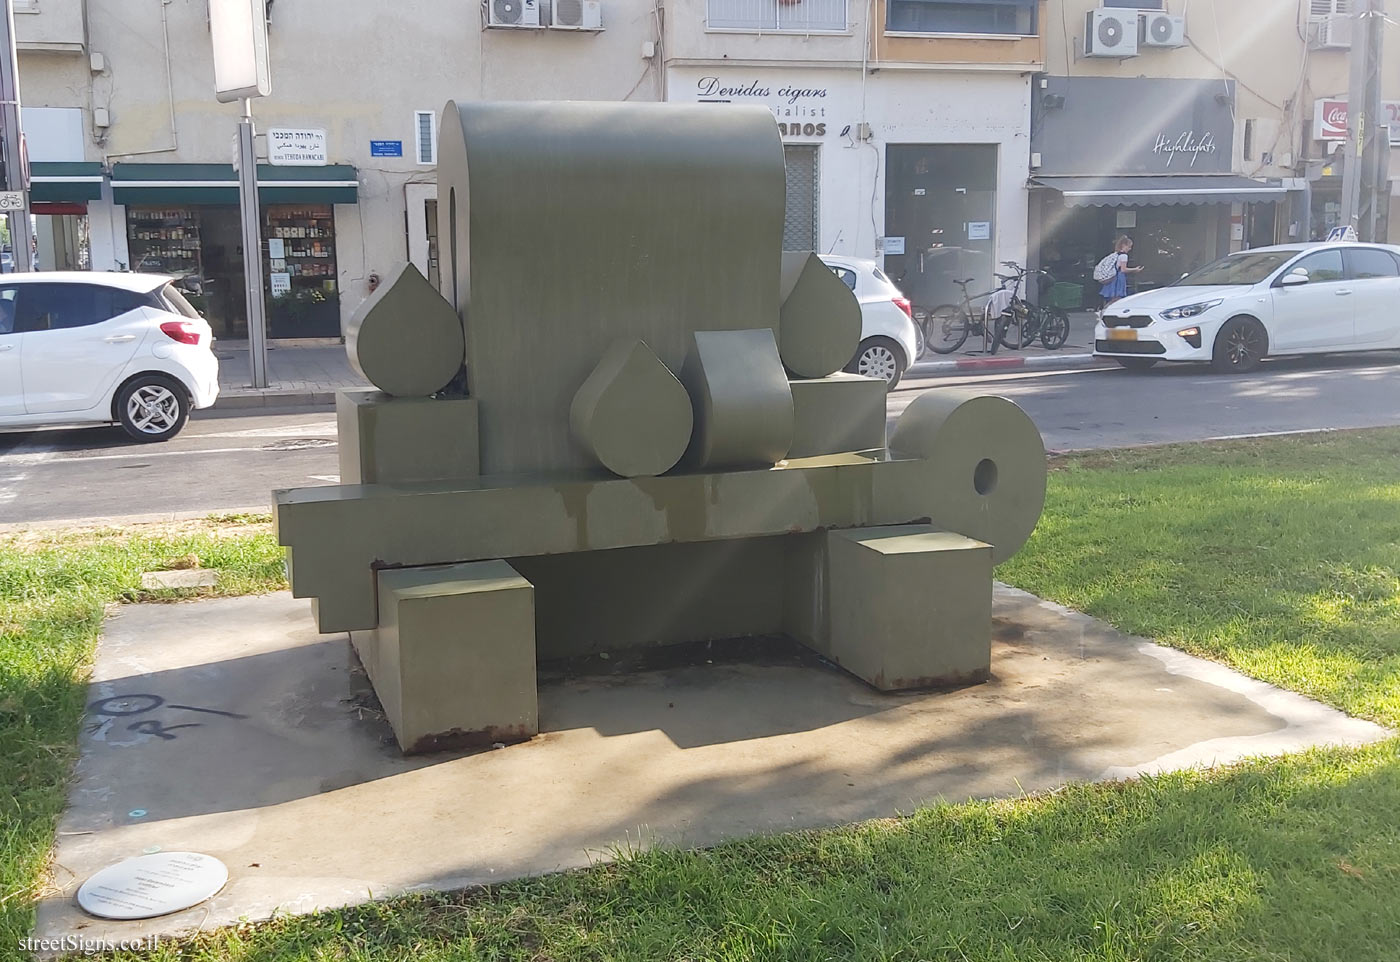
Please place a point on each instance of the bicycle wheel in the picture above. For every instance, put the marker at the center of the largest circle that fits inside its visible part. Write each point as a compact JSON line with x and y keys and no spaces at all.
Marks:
{"x":947,"y":329}
{"x":1007,"y":328}
{"x":1054,"y":328}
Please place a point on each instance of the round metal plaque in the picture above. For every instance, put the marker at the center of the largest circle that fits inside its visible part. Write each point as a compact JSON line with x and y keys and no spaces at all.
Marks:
{"x":152,"y":885}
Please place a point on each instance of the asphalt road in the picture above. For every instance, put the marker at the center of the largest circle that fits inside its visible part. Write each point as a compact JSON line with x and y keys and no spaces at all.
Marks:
{"x":228,"y":462}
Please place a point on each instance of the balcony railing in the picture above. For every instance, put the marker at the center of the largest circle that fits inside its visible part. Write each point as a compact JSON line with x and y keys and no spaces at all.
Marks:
{"x":789,"y":16}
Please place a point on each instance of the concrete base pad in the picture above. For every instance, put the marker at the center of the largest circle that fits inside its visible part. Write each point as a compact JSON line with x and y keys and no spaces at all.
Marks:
{"x":230,"y":727}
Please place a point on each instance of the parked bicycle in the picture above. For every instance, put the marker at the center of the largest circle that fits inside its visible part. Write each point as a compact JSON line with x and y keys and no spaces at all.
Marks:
{"x":1049,"y":324}
{"x":948,"y":326}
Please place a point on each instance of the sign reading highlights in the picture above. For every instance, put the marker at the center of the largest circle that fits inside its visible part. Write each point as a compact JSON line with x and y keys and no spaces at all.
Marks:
{"x":296,"y":147}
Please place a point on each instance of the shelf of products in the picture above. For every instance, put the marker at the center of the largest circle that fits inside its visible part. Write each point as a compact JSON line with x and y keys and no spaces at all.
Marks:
{"x":301,"y":245}
{"x":164,"y":240}
{"x":299,"y":257}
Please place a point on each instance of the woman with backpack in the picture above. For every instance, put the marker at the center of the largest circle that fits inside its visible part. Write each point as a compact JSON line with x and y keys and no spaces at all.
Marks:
{"x":1112,"y":272}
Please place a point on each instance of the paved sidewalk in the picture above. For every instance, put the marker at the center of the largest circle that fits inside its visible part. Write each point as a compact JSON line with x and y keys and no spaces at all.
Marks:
{"x":299,"y":373}
{"x":1077,"y":353}
{"x":304,"y":373}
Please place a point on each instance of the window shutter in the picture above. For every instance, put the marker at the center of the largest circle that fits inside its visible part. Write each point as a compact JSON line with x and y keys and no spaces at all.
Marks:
{"x":425,"y":136}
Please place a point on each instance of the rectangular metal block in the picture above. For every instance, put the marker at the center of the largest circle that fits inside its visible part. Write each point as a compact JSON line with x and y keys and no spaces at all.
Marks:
{"x":907,"y":606}
{"x":453,"y":657}
{"x":341,"y":533}
{"x":841,"y":412}
{"x":389,"y":440}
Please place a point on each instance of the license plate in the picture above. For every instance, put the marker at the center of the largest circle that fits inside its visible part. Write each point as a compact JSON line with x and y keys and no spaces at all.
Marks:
{"x":1122,"y":334}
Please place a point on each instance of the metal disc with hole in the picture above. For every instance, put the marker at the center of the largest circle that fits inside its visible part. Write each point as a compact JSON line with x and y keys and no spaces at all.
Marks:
{"x":152,"y":885}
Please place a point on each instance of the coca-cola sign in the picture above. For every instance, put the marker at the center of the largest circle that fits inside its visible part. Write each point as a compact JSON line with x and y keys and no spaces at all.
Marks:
{"x":1330,"y":119}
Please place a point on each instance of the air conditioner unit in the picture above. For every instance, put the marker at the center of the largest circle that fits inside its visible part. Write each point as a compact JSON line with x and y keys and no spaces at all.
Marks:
{"x":1331,"y":32}
{"x":1111,"y":33}
{"x":577,"y":15}
{"x":1162,"y":30}
{"x":513,"y":13}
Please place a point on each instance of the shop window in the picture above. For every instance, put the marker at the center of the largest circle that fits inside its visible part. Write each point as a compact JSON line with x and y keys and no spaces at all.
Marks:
{"x":798,"y":16}
{"x":163,"y":240}
{"x":425,"y":136}
{"x":994,"y":17}
{"x":301,"y":271}
{"x":940,"y":205}
{"x":800,"y":221}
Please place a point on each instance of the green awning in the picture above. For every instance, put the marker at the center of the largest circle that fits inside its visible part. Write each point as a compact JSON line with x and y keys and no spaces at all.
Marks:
{"x":64,"y":183}
{"x":218,"y":184}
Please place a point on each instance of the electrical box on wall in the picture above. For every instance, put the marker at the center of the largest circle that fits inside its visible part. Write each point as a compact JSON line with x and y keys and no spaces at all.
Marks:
{"x":101,"y":118}
{"x":1111,"y":33}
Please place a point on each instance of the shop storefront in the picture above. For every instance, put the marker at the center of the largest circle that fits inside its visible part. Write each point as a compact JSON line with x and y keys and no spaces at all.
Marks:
{"x":183,"y":219}
{"x":59,"y":194}
{"x":1164,"y":181}
{"x":923,"y":171}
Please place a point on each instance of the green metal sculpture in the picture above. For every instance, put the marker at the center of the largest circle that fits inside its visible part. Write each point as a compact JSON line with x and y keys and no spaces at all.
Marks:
{"x":620,"y":425}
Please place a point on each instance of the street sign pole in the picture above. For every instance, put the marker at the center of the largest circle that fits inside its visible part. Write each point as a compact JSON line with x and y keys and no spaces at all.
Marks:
{"x":238,"y":29}
{"x":252,"y":245}
{"x":15,"y":174}
{"x":1362,"y":196}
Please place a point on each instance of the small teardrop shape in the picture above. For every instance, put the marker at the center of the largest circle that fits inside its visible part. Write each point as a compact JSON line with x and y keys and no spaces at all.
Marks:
{"x":631,"y":413}
{"x":405,"y":338}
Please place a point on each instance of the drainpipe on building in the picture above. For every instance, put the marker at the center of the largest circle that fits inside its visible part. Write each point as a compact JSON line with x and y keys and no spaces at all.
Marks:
{"x":16,"y":164}
{"x":169,"y":94}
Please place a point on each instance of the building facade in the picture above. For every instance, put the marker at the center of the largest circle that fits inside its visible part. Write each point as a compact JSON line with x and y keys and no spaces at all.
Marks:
{"x":940,"y":137}
{"x":132,"y":154}
{"x":906,"y":124}
{"x":1193,"y":128}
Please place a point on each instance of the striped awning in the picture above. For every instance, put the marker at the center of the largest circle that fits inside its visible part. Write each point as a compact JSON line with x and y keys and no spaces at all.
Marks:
{"x":64,"y":183}
{"x":218,"y":184}
{"x":1154,"y":191}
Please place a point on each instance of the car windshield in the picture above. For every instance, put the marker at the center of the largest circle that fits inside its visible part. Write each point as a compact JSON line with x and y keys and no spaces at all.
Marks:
{"x":1246,"y":268}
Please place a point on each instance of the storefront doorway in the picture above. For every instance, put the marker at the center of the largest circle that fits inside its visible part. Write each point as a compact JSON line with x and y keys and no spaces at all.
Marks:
{"x":183,"y":219}
{"x":202,"y":245}
{"x":940,"y":218}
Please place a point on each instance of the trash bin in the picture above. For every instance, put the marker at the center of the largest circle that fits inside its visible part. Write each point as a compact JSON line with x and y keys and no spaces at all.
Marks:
{"x":1067,"y":296}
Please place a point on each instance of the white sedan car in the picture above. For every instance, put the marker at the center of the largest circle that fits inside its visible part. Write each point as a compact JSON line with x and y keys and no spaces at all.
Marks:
{"x":889,"y":340}
{"x":1290,"y":299}
{"x":94,"y":348}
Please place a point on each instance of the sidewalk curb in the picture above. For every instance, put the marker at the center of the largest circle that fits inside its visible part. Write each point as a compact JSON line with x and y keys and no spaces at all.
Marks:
{"x":273,"y":398}
{"x":965,"y":365}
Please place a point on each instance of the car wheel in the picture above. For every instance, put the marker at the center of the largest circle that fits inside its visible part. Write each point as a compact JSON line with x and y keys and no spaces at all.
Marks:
{"x":1240,"y":346}
{"x":879,"y":357}
{"x":152,"y":408}
{"x":1137,"y":363}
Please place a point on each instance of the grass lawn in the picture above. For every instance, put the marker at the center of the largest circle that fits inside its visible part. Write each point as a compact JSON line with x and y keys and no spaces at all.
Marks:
{"x":53,"y":589}
{"x":1281,"y":557}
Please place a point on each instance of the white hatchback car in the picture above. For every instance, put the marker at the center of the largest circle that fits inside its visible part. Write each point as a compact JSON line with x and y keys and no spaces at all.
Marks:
{"x":889,"y":339}
{"x":85,"y":348}
{"x":1290,"y":299}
